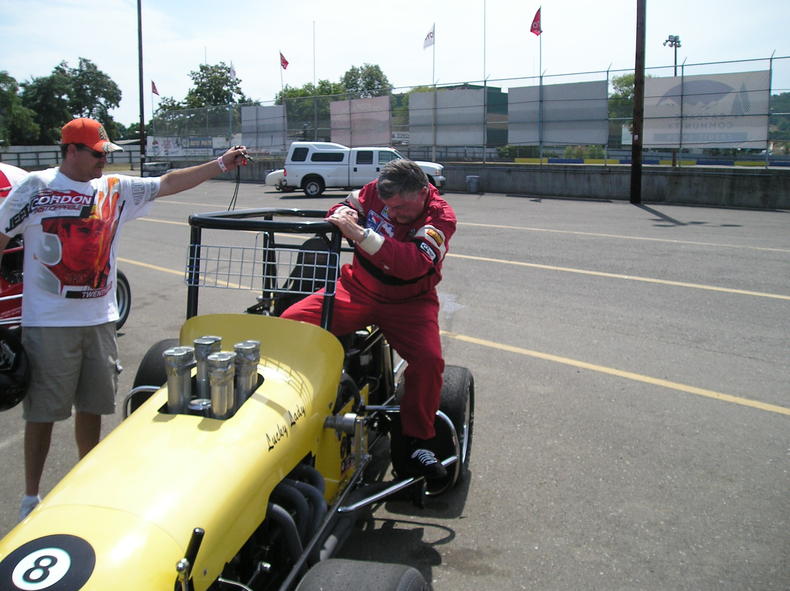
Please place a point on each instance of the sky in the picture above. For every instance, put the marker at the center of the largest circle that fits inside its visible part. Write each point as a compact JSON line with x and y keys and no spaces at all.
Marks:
{"x":475,"y":40}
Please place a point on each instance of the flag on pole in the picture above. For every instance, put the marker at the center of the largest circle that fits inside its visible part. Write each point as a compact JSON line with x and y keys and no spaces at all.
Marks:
{"x":153,"y":88}
{"x":535,"y":28}
{"x":430,"y":37}
{"x":283,"y":61}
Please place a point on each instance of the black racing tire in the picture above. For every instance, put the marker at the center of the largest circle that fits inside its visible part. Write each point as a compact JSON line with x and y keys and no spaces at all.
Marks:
{"x":458,"y":403}
{"x":151,"y":371}
{"x":313,"y":186}
{"x":339,"y":574}
{"x":440,"y":189}
{"x":123,"y":297}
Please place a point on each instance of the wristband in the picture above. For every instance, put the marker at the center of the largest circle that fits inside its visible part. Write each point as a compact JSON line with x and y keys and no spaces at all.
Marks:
{"x":222,"y":166}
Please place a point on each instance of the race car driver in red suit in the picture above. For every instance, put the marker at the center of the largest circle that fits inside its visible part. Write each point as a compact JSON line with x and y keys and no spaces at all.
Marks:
{"x":400,"y":227}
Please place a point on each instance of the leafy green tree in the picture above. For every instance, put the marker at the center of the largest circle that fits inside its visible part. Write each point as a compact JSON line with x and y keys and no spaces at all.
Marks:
{"x":214,"y":85}
{"x":365,"y":81}
{"x":171,"y":117}
{"x":779,"y":121}
{"x":307,"y":108}
{"x":167,"y":104}
{"x":93,"y":93}
{"x":48,"y":98}
{"x":132,"y":132}
{"x":621,"y":99}
{"x":84,"y":91}
{"x":17,"y":122}
{"x":621,"y":107}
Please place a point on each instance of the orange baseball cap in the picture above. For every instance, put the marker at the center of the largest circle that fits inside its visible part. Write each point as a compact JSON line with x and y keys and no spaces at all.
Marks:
{"x":88,"y":132}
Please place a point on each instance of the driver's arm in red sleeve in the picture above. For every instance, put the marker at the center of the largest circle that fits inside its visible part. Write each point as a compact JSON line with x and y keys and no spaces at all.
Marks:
{"x":424,"y":251}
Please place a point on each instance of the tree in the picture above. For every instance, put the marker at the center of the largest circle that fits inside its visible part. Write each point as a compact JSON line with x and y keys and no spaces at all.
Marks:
{"x":779,"y":121}
{"x":48,"y":98}
{"x":621,"y":107}
{"x":84,"y":91}
{"x":17,"y":122}
{"x":132,"y":132}
{"x":365,"y":81}
{"x":93,"y":93}
{"x":171,"y":117}
{"x":214,"y":85}
{"x":307,"y":107}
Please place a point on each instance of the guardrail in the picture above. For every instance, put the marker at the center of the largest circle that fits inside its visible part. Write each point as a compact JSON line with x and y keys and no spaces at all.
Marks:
{"x":38,"y":159}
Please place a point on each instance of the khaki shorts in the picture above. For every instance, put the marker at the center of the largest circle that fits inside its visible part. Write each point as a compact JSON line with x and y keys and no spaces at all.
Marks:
{"x":71,"y":366}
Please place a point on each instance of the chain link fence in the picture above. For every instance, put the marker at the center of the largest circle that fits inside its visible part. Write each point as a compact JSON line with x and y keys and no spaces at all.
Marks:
{"x":571,"y":117}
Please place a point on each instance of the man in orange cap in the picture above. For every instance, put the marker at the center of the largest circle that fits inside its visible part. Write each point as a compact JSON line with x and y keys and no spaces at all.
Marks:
{"x":67,"y":213}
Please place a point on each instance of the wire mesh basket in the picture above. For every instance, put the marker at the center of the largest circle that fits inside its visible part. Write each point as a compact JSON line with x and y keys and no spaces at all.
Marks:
{"x":266,"y":267}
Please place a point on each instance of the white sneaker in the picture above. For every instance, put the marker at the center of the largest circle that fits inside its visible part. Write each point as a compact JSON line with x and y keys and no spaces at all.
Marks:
{"x":29,"y":503}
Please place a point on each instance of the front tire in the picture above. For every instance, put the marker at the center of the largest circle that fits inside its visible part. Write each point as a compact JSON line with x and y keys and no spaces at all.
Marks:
{"x":151,"y":372}
{"x":337,"y":574}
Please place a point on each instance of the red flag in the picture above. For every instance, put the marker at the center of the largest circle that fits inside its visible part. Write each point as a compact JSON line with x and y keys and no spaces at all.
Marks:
{"x":153,"y":88}
{"x":535,"y":28}
{"x":283,"y":61}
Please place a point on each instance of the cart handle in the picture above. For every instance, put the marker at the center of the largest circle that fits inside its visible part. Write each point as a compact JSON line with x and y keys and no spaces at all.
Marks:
{"x":262,"y":220}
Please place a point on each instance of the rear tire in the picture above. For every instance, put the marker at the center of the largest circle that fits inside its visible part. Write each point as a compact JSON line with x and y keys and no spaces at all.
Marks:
{"x":123,"y":298}
{"x":313,"y":187}
{"x":338,"y":574}
{"x":458,"y":403}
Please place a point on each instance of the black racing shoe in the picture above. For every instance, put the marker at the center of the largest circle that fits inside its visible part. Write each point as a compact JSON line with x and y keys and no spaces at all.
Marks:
{"x":423,"y":462}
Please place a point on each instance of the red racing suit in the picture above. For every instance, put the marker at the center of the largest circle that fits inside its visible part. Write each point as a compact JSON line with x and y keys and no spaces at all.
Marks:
{"x":395,"y":289}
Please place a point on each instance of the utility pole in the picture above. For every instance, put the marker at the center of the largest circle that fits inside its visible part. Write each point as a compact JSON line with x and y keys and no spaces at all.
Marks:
{"x":639,"y":104}
{"x":140,"y":82}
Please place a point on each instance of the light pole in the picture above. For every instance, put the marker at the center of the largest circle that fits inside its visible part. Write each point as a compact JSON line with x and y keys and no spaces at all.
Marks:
{"x":674,"y":42}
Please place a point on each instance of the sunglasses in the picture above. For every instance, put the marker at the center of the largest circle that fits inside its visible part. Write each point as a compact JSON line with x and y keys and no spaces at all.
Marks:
{"x":95,"y":153}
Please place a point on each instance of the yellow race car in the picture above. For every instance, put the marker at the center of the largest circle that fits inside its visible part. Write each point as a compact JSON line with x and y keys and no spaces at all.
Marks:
{"x":251,"y":443}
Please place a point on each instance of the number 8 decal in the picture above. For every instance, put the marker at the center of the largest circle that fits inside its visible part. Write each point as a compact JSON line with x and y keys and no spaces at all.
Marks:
{"x":41,"y":569}
{"x":58,"y":562}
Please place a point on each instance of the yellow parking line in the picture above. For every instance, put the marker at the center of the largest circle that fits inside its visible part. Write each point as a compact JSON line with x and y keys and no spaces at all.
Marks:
{"x":163,"y":221}
{"x":150,"y":266}
{"x":623,"y":237}
{"x":174,"y":272}
{"x":622,"y":374}
{"x":628,"y":277}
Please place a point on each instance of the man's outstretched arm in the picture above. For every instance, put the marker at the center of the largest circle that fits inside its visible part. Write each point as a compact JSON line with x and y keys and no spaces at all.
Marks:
{"x":186,"y":178}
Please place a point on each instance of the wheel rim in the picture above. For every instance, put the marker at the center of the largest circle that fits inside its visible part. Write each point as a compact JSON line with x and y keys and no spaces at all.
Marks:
{"x":312,"y":188}
{"x":463,"y":436}
{"x":122,"y":299}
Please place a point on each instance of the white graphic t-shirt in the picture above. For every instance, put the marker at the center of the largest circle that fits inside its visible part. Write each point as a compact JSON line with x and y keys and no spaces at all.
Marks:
{"x":70,"y":231}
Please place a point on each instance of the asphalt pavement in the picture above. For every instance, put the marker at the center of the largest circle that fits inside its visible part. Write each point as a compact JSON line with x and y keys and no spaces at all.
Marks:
{"x":632,"y":426}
